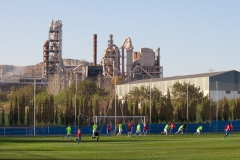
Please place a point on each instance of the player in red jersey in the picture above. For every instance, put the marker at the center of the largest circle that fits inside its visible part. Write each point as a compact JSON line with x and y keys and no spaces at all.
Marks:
{"x":231,"y":128}
{"x":79,"y":133}
{"x":172,"y":126}
{"x":145,"y":128}
{"x":130,"y":127}
{"x":227,"y":130}
{"x":108,"y":129}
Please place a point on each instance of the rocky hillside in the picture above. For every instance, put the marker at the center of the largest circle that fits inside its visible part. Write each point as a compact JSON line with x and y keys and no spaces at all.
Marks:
{"x":34,"y":70}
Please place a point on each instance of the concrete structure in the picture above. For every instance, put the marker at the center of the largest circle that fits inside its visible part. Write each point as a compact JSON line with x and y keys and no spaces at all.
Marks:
{"x":216,"y":84}
{"x":111,"y":60}
{"x":52,"y":51}
{"x":12,"y":80}
{"x":139,"y":65}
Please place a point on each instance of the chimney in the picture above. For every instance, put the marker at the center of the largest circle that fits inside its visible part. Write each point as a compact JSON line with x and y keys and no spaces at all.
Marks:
{"x":94,"y":49}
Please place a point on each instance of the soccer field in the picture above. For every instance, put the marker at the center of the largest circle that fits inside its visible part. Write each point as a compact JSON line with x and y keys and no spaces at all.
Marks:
{"x":189,"y":146}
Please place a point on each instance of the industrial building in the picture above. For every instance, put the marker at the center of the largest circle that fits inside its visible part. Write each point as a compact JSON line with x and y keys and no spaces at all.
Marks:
{"x":9,"y":80}
{"x":215,"y":84}
{"x":144,"y":64}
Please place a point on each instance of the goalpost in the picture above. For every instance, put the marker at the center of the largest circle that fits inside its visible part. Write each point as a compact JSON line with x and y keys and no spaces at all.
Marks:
{"x":104,"y":120}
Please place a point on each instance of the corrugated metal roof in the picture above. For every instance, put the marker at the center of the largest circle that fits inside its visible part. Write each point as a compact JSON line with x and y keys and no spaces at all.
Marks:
{"x":180,"y":77}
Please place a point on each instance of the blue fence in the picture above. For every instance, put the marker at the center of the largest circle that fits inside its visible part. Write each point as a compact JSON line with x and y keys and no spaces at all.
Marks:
{"x":214,"y":126}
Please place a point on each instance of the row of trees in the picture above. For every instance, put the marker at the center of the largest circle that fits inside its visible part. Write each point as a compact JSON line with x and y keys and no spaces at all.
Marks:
{"x":94,"y":100}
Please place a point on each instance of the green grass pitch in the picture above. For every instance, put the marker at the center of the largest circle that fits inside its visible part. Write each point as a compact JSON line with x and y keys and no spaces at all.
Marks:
{"x":189,"y":146}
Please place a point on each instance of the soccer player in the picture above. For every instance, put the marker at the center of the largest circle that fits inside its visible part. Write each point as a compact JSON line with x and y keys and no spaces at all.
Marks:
{"x":79,"y":133}
{"x":145,"y":128}
{"x":172,"y":126}
{"x":68,"y":129}
{"x":231,"y":128}
{"x":119,"y":129}
{"x":108,"y":129}
{"x":180,"y":129}
{"x":94,"y":130}
{"x":130,"y":126}
{"x":138,"y":130}
{"x":198,"y":130}
{"x":227,"y":129}
{"x":166,"y":129}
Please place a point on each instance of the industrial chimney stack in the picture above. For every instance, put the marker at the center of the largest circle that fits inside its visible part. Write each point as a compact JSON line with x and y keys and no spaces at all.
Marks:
{"x":95,"y":50}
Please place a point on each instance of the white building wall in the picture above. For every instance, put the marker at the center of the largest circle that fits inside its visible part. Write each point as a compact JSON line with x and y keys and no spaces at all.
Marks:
{"x":202,"y":82}
{"x":216,"y":95}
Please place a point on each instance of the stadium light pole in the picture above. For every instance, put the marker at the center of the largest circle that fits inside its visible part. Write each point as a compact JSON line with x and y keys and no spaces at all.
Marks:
{"x":217,"y":104}
{"x":115,"y":97}
{"x":34,"y":113}
{"x":150,"y":104}
{"x":187,"y":102}
{"x":76,"y":103}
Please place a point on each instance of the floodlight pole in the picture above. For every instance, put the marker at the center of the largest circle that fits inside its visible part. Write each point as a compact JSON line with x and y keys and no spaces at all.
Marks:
{"x":187,"y":102}
{"x":115,"y":97}
{"x":34,"y":113}
{"x":217,"y":104}
{"x":76,"y":103}
{"x":150,"y":104}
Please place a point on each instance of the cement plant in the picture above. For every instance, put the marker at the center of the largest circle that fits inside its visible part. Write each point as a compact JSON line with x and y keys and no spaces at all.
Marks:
{"x":142,"y":64}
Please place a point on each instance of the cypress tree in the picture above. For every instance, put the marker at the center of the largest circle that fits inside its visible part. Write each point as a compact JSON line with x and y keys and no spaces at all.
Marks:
{"x":169,"y":107}
{"x":56,"y":115}
{"x":30,"y":114}
{"x":136,"y":108}
{"x":39,"y":114}
{"x":15,"y":112}
{"x":153,"y":112}
{"x":22,"y":110}
{"x":28,"y":117}
{"x":51,"y":110}
{"x":3,"y":118}
{"x":62,"y":117}
{"x":45,"y":113}
{"x":225,"y":109}
{"x":10,"y":115}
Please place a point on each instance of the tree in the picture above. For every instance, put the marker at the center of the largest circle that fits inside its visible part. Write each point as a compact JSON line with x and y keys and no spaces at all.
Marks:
{"x":45,"y":113}
{"x":56,"y":115}
{"x":28,"y":117}
{"x":179,"y":99}
{"x":71,"y":113}
{"x":154,"y":112}
{"x":213,"y":107}
{"x":22,"y":110}
{"x":3,"y":118}
{"x":95,"y":104}
{"x":51,"y":109}
{"x":169,"y":107}
{"x":125,"y":108}
{"x":192,"y":110}
{"x":162,"y":109}
{"x":238,"y":108}
{"x":225,"y":109}
{"x":62,"y":117}
{"x":15,"y":112}
{"x":39,"y":114}
{"x":136,"y":108}
{"x":10,"y":115}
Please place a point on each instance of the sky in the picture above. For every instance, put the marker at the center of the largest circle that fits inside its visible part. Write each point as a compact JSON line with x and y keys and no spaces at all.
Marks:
{"x":194,"y":36}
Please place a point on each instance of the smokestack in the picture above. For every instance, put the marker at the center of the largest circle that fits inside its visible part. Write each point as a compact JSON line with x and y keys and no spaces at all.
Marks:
{"x":158,"y":56}
{"x":94,"y":49}
{"x":46,"y":58}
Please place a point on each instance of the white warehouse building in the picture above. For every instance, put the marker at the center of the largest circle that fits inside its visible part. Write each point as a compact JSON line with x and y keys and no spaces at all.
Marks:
{"x":216,"y":84}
